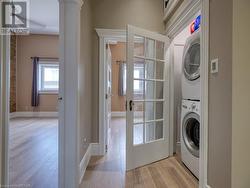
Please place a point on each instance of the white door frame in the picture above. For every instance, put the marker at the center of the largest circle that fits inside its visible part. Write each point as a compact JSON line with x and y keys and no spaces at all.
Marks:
{"x":175,"y":25}
{"x":69,"y":45}
{"x":105,"y":35}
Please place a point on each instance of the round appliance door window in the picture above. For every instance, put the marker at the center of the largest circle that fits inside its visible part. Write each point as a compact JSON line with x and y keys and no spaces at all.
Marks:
{"x":192,"y":62}
{"x":191,"y":133}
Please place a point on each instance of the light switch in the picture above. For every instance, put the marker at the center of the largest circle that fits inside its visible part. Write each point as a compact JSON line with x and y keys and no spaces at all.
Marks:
{"x":214,"y":66}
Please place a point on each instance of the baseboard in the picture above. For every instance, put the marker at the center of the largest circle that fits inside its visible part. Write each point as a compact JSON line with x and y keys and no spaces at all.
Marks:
{"x":207,"y":186}
{"x":33,"y":114}
{"x":118,"y":114}
{"x":178,"y":146}
{"x":84,"y":162}
{"x":96,"y":150}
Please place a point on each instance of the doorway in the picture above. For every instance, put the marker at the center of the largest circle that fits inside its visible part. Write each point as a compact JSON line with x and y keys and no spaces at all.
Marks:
{"x":33,"y":124}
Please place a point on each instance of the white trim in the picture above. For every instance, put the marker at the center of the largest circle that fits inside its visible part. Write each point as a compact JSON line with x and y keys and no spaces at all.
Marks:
{"x":104,"y":36}
{"x":177,"y":147}
{"x":171,"y":91}
{"x":33,"y":114}
{"x":207,"y":186}
{"x":171,"y":5}
{"x":177,"y":23}
{"x":69,"y":57}
{"x":185,"y":14}
{"x":4,"y":108}
{"x":96,"y":150}
{"x":116,"y":34}
{"x":118,"y":114}
{"x":204,"y":93}
{"x":84,"y":162}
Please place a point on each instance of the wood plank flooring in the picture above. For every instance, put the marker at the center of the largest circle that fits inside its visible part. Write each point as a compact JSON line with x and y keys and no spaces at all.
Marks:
{"x":33,"y":152}
{"x":109,"y":171}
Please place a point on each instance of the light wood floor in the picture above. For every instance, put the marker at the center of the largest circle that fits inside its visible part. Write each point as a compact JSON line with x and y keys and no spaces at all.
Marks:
{"x":109,"y":171}
{"x":33,"y":156}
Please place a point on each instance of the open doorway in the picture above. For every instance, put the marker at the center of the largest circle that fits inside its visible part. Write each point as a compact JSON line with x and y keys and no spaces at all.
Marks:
{"x":116,"y":102}
{"x":33,"y":97}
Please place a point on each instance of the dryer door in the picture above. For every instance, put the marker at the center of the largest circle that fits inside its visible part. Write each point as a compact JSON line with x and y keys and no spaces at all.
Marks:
{"x":191,"y":133}
{"x":191,"y":64}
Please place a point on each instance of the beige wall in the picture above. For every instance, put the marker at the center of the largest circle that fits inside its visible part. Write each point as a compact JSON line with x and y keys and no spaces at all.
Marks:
{"x":27,"y":47}
{"x":118,"y":52}
{"x":241,"y":95}
{"x":85,"y":78}
{"x":220,"y":95}
{"x":113,"y":14}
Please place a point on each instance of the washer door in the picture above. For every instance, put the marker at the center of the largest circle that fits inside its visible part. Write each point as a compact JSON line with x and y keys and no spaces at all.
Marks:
{"x":191,"y":133}
{"x":191,"y":64}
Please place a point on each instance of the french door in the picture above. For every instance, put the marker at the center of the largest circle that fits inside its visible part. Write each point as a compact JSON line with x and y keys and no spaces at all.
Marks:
{"x":147,"y":128}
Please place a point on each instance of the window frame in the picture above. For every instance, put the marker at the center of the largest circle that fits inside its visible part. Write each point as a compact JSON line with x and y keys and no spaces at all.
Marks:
{"x":40,"y":80}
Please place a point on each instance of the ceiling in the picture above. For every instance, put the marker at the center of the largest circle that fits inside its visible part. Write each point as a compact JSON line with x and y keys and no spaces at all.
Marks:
{"x":44,"y":16}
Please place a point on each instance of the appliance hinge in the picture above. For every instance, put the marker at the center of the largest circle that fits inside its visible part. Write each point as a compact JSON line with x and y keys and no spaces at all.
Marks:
{"x":106,"y":148}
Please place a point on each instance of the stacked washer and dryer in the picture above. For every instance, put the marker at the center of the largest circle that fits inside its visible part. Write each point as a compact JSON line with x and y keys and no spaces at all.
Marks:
{"x":190,"y":112}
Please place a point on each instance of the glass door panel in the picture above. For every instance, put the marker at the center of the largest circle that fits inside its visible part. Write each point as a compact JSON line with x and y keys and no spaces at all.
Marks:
{"x":148,"y":74}
{"x":145,"y":139}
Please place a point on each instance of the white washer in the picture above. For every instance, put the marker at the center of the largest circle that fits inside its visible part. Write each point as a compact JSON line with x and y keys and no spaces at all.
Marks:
{"x":191,"y":68}
{"x":190,"y":135}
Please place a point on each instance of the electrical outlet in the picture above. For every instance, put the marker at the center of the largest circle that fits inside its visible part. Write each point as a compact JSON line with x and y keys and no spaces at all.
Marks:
{"x":214,"y":66}
{"x":84,"y":140}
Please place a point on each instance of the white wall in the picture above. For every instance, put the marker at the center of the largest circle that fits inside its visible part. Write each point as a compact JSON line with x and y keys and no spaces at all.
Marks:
{"x":178,"y":46}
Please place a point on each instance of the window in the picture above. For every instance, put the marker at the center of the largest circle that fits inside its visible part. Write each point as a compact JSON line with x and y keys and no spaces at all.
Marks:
{"x":138,"y":73}
{"x":48,"y":77}
{"x":138,"y":85}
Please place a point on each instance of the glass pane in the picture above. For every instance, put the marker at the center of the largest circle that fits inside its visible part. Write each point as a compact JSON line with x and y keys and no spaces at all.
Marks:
{"x":51,"y":74}
{"x":48,"y":77}
{"x":138,"y":134}
{"x":160,"y":70}
{"x":150,"y":69}
{"x":159,"y":110}
{"x":159,"y":50}
{"x":149,"y":111}
{"x":159,"y":90}
{"x":138,"y":112}
{"x":139,"y":68}
{"x":192,"y":62}
{"x":149,"y":89}
{"x":150,"y":131}
{"x":158,"y":130}
{"x":150,"y":48}
{"x":138,"y":89}
{"x":138,"y":46}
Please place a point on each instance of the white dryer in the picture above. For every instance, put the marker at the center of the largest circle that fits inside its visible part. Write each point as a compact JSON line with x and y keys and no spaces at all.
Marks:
{"x":190,"y":135}
{"x":191,"y":68}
